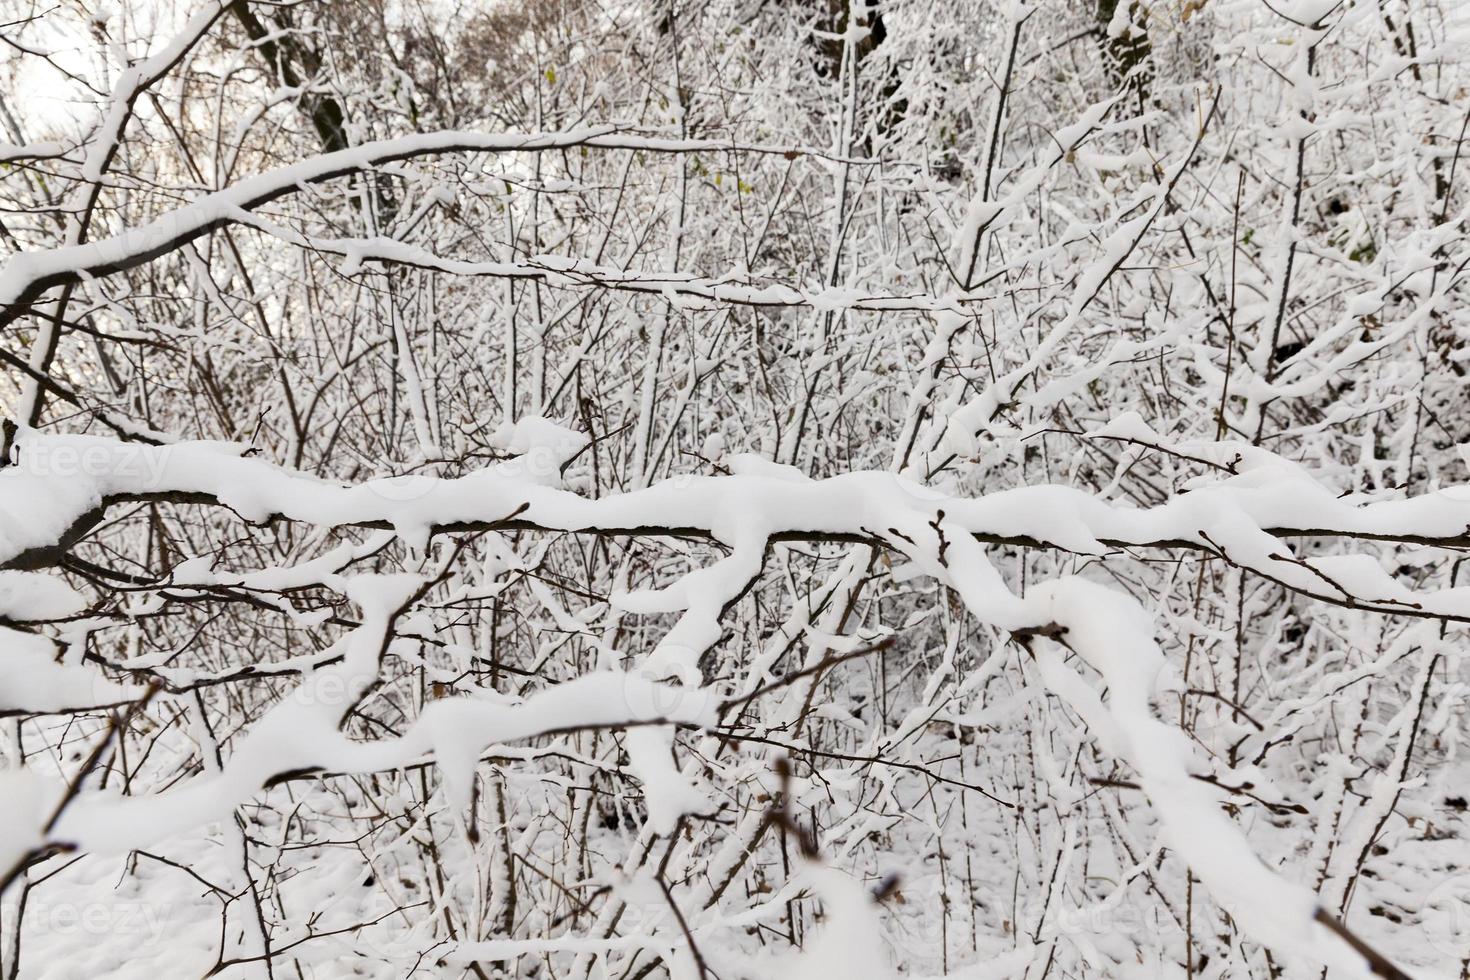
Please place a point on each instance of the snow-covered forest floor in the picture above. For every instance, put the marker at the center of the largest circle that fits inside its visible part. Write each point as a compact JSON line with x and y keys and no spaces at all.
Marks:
{"x":734,"y":489}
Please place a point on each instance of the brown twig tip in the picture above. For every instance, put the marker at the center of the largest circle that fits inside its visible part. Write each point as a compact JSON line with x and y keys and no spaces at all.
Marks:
{"x":8,"y":431}
{"x":1377,"y":962}
{"x":1052,"y":631}
{"x":887,"y":887}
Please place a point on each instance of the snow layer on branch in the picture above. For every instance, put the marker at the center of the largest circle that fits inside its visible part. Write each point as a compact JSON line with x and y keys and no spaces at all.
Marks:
{"x":32,"y":679}
{"x":35,"y":596}
{"x":302,"y":734}
{"x":59,"y":478}
{"x":1108,"y":630}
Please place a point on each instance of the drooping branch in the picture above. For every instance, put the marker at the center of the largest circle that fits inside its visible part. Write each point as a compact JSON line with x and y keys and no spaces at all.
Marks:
{"x":25,"y":277}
